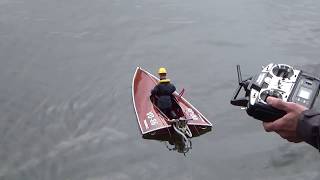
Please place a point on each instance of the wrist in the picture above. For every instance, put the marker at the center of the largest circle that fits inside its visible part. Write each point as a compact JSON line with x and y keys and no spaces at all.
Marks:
{"x":308,"y":127}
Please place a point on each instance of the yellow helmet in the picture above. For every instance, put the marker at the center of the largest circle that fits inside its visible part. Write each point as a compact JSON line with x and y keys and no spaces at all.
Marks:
{"x":162,"y":70}
{"x":164,"y":81}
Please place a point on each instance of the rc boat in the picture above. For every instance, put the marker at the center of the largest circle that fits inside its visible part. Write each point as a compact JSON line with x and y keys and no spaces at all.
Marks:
{"x":152,"y":122}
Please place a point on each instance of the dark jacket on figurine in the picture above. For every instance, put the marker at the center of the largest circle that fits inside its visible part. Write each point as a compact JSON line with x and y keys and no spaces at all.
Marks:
{"x":309,"y":127}
{"x":163,"y":92}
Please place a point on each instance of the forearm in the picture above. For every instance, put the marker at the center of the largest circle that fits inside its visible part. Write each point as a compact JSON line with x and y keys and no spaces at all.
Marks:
{"x":309,"y":127}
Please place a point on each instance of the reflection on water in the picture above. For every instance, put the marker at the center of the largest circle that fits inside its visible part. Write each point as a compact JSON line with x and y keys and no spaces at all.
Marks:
{"x":177,"y":144}
{"x":179,"y":136}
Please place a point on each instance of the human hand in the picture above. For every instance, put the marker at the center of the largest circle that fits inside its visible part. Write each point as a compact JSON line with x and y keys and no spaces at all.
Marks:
{"x":287,"y":125}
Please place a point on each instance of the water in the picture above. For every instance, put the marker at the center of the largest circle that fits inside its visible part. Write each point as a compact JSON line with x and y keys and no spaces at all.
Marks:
{"x":65,"y":96}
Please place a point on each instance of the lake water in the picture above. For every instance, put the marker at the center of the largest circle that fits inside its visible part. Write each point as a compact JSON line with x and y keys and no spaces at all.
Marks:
{"x":65,"y":86}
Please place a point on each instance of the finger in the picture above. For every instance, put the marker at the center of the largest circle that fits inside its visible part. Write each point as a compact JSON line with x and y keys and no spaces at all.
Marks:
{"x":276,"y":125}
{"x":278,"y":103}
{"x":268,"y":126}
{"x":283,"y":134}
{"x":286,"y":133}
{"x":279,"y":124}
{"x":294,"y":140}
{"x":289,"y":136}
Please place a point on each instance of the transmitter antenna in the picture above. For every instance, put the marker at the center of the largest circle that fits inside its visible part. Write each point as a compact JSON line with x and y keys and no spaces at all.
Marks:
{"x":243,"y":101}
{"x":239,"y":75}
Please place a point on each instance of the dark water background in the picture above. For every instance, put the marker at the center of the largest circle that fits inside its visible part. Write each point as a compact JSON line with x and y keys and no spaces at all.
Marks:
{"x":65,"y":86}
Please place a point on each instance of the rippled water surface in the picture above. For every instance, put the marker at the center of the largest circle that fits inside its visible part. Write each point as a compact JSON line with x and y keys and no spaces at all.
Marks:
{"x":65,"y":86}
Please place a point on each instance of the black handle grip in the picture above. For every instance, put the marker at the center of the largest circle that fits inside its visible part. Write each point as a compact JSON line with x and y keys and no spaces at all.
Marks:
{"x":265,"y":112}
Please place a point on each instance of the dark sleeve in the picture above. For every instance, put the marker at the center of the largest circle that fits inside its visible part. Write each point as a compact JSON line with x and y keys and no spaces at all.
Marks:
{"x":154,"y":91}
{"x":309,"y":127}
{"x":173,"y":88}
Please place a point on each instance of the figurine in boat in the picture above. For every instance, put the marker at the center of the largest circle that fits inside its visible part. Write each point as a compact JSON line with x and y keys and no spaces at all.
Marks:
{"x":162,"y":95}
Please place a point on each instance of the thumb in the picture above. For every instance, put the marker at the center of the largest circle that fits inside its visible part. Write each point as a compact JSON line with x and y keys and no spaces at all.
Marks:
{"x":278,"y":103}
